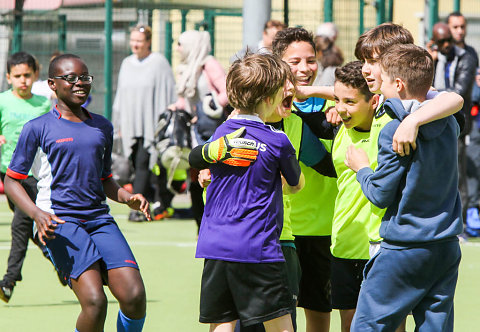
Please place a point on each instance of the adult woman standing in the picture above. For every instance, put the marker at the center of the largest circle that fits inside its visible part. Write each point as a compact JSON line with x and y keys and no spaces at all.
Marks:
{"x":146,"y":87}
{"x":201,"y":89}
{"x":201,"y":86}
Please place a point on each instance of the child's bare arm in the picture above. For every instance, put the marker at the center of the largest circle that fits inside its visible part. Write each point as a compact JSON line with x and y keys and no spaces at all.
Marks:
{"x":443,"y":105}
{"x":325,"y":92}
{"x":45,"y":226}
{"x":135,"y":201}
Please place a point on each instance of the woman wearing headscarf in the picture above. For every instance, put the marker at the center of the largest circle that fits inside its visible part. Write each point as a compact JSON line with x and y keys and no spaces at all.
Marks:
{"x":201,"y":85}
{"x":145,"y":88}
{"x":201,"y":89}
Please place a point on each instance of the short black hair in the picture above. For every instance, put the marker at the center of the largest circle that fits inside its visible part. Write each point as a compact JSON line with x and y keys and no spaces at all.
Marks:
{"x":56,"y":60}
{"x":351,"y":76}
{"x":22,"y":58}
{"x":453,"y":14}
{"x":288,"y":36}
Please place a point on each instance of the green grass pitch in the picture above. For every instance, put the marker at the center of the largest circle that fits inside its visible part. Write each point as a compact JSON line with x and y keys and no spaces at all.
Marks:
{"x":165,"y":252}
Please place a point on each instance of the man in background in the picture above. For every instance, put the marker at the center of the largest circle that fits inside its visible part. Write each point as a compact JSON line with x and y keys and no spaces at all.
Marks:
{"x":458,"y":28}
{"x":455,"y":71}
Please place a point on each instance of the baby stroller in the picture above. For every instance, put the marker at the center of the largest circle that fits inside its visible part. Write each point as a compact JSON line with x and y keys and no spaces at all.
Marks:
{"x":173,"y":142}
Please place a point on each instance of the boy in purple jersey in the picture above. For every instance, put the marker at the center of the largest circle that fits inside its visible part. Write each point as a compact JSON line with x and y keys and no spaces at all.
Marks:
{"x":69,"y":152}
{"x":244,"y":276}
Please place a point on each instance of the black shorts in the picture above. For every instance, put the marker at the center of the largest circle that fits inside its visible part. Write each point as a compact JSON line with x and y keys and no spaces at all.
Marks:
{"x":347,"y":276}
{"x":293,"y":269}
{"x":293,"y":275}
{"x":252,"y":292}
{"x":315,"y":259}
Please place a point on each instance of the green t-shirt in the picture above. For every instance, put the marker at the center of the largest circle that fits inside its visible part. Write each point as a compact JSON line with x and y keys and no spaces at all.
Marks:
{"x":379,"y":121}
{"x":350,"y":238}
{"x":312,"y":207}
{"x":14,"y":113}
{"x":291,"y":126}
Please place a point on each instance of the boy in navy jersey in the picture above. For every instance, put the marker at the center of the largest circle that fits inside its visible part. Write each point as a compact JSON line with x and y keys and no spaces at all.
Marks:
{"x":244,"y":275}
{"x":69,"y":152}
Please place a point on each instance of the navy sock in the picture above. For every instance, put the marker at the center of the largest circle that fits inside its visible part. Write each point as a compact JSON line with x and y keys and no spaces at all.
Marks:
{"x":125,"y":324}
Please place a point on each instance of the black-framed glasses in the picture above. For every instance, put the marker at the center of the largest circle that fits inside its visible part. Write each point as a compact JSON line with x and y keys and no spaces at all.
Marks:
{"x":72,"y":78}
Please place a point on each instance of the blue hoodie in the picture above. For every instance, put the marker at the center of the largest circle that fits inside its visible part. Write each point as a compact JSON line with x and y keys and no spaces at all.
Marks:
{"x":420,"y":191}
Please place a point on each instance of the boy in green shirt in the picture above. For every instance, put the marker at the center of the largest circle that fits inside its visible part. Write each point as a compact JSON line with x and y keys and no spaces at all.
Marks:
{"x":350,"y":237}
{"x":311,"y":209}
{"x":18,"y":106}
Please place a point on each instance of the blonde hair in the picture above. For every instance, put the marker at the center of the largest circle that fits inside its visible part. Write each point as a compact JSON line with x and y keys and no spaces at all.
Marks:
{"x":255,"y":77}
{"x":145,"y":29}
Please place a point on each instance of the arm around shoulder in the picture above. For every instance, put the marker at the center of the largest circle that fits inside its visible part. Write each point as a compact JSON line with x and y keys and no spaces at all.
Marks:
{"x":289,"y":189}
{"x":381,"y":186}
{"x":325,"y":92}
{"x":442,"y":106}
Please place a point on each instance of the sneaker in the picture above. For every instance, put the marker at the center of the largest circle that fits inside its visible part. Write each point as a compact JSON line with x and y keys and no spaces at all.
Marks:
{"x":161,"y":213}
{"x":473,"y":222}
{"x":6,"y":290}
{"x":136,"y":216}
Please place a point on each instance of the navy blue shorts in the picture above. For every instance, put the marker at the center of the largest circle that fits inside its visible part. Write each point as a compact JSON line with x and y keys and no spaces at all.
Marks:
{"x":79,"y":244}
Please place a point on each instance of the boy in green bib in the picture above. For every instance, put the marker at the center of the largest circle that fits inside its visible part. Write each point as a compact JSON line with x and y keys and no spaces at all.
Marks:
{"x":356,"y":106}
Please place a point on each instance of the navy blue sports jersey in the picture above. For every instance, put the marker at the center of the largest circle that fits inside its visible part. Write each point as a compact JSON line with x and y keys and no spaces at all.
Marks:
{"x":69,"y":160}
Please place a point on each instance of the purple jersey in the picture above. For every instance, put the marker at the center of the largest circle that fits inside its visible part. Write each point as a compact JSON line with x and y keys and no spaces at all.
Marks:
{"x":69,"y":160}
{"x":243,"y":214}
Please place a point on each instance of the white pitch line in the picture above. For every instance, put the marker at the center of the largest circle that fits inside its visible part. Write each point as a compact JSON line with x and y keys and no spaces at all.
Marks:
{"x":133,"y":244}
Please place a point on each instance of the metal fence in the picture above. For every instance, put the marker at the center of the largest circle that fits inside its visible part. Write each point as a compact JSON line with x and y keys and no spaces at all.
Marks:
{"x":81,"y":30}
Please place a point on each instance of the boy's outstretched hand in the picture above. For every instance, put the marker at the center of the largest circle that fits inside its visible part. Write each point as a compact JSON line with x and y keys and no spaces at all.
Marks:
{"x":46,"y":224}
{"x":356,"y":159}
{"x":140,"y":203}
{"x":231,"y":149}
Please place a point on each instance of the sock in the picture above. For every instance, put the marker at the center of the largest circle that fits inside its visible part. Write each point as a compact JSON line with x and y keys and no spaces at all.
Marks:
{"x":125,"y":324}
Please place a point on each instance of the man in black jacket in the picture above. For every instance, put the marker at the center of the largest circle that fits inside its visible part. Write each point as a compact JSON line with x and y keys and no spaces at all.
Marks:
{"x":458,"y":27}
{"x":455,"y":71}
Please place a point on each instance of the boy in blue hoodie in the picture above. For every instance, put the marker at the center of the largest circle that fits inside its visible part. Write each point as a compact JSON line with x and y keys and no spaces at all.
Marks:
{"x":416,"y":268}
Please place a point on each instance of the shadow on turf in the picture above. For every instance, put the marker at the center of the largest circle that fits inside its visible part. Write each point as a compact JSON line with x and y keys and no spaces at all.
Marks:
{"x":63,"y":303}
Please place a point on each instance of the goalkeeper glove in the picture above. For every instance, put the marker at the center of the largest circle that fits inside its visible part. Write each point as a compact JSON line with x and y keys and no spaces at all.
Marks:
{"x":231,"y":150}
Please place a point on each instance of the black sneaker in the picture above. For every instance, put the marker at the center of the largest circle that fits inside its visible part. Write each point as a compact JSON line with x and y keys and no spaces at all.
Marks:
{"x":136,"y":216}
{"x":6,"y":290}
